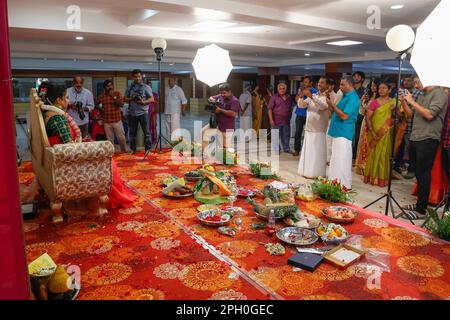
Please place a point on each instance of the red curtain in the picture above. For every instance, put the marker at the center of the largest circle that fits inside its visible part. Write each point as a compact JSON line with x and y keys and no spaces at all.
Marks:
{"x":13,"y":268}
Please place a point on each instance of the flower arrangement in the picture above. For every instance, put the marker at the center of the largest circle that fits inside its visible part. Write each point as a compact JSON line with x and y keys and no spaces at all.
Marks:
{"x":438,"y":226}
{"x":332,"y":191}
{"x":262,"y":170}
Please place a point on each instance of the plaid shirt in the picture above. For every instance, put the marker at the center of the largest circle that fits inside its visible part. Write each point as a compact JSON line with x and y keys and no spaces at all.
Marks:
{"x":112,"y":112}
{"x":416,"y":93}
{"x":446,"y":133}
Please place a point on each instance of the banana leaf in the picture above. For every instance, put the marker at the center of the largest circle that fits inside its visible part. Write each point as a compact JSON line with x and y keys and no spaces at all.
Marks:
{"x":210,"y":199}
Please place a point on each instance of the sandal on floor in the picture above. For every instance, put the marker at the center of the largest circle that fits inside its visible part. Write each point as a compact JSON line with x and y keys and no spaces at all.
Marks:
{"x":410,"y":207}
{"x":414,"y":215}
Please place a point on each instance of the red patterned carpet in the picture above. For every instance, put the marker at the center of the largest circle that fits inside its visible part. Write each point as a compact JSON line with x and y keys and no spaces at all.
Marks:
{"x":157,"y":250}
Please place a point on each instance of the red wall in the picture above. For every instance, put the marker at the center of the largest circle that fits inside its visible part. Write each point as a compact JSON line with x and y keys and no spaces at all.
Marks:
{"x":13,"y":270}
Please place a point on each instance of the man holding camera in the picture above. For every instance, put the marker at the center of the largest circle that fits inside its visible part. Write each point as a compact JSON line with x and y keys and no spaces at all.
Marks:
{"x":111,"y":102}
{"x":430,"y":112}
{"x":226,"y":110}
{"x":81,"y":102}
{"x":138,"y":95}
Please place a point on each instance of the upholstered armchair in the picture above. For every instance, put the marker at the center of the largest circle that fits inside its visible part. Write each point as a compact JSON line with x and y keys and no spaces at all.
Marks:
{"x":72,"y":171}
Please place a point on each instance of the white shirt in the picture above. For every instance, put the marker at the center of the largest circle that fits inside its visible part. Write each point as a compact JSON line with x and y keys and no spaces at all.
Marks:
{"x":86,"y":98}
{"x":317,"y":116}
{"x":244,"y":99}
{"x":175,"y":98}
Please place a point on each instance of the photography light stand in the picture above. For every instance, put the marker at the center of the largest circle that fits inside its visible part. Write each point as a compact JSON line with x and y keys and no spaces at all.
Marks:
{"x":390,"y":199}
{"x":159,"y":45}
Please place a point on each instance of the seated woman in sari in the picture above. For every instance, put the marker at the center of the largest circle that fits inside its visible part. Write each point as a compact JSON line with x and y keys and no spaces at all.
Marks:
{"x":61,"y":128}
{"x":366,"y":100}
{"x":379,"y":137}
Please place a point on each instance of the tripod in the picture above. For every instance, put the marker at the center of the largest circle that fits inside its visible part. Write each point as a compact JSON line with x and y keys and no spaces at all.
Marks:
{"x":390,"y":200}
{"x":158,"y":146}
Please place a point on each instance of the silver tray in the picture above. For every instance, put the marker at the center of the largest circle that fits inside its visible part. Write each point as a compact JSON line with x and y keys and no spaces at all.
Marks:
{"x":204,"y":214}
{"x":297,"y":236}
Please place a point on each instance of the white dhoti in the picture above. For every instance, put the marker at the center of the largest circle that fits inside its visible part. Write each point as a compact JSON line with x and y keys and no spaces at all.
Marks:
{"x":313,"y":160}
{"x":247,"y":124}
{"x":329,"y":143}
{"x":341,"y":161}
{"x":171,"y":123}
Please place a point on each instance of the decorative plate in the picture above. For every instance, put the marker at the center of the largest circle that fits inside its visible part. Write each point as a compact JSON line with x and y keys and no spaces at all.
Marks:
{"x":340,"y":214}
{"x":332,"y":233}
{"x":297,"y":236}
{"x":165,"y":193}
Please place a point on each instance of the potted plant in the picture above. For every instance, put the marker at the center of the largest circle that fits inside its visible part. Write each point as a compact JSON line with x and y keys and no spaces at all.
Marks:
{"x":438,"y":226}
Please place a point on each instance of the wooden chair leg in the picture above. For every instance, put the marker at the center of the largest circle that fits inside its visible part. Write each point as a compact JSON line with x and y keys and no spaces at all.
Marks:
{"x":57,"y":212}
{"x":103,"y":201}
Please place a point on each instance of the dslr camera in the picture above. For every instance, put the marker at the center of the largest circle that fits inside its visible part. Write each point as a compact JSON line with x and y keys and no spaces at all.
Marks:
{"x":212,"y":105}
{"x":79,"y":106}
{"x":138,"y":98}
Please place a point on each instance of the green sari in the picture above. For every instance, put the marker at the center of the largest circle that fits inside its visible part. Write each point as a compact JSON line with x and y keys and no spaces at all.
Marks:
{"x":379,"y":151}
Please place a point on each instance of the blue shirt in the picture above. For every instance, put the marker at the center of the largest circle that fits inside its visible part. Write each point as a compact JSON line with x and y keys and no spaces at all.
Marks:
{"x":350,"y":106}
{"x":302,"y":111}
{"x":145,"y":92}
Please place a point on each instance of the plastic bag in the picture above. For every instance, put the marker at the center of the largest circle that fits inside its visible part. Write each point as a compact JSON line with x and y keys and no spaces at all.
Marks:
{"x":378,"y":258}
{"x":375,"y":257}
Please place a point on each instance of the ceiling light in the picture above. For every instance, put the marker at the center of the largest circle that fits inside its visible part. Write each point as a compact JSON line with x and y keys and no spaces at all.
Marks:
{"x":211,"y":14}
{"x":79,"y":38}
{"x":307,"y":54}
{"x":213,"y":24}
{"x":344,"y":43}
{"x":150,"y":63}
{"x":397,"y":7}
{"x":171,"y":64}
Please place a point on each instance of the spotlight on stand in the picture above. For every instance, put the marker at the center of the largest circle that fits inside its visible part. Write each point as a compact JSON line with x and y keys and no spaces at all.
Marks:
{"x":159,"y":45}
{"x":399,"y":39}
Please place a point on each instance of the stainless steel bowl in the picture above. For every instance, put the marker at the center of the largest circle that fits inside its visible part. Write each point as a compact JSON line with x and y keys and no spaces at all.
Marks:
{"x":208,"y":213}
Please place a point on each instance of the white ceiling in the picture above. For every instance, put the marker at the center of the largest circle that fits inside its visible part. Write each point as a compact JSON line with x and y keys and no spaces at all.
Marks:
{"x":265,"y":33}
